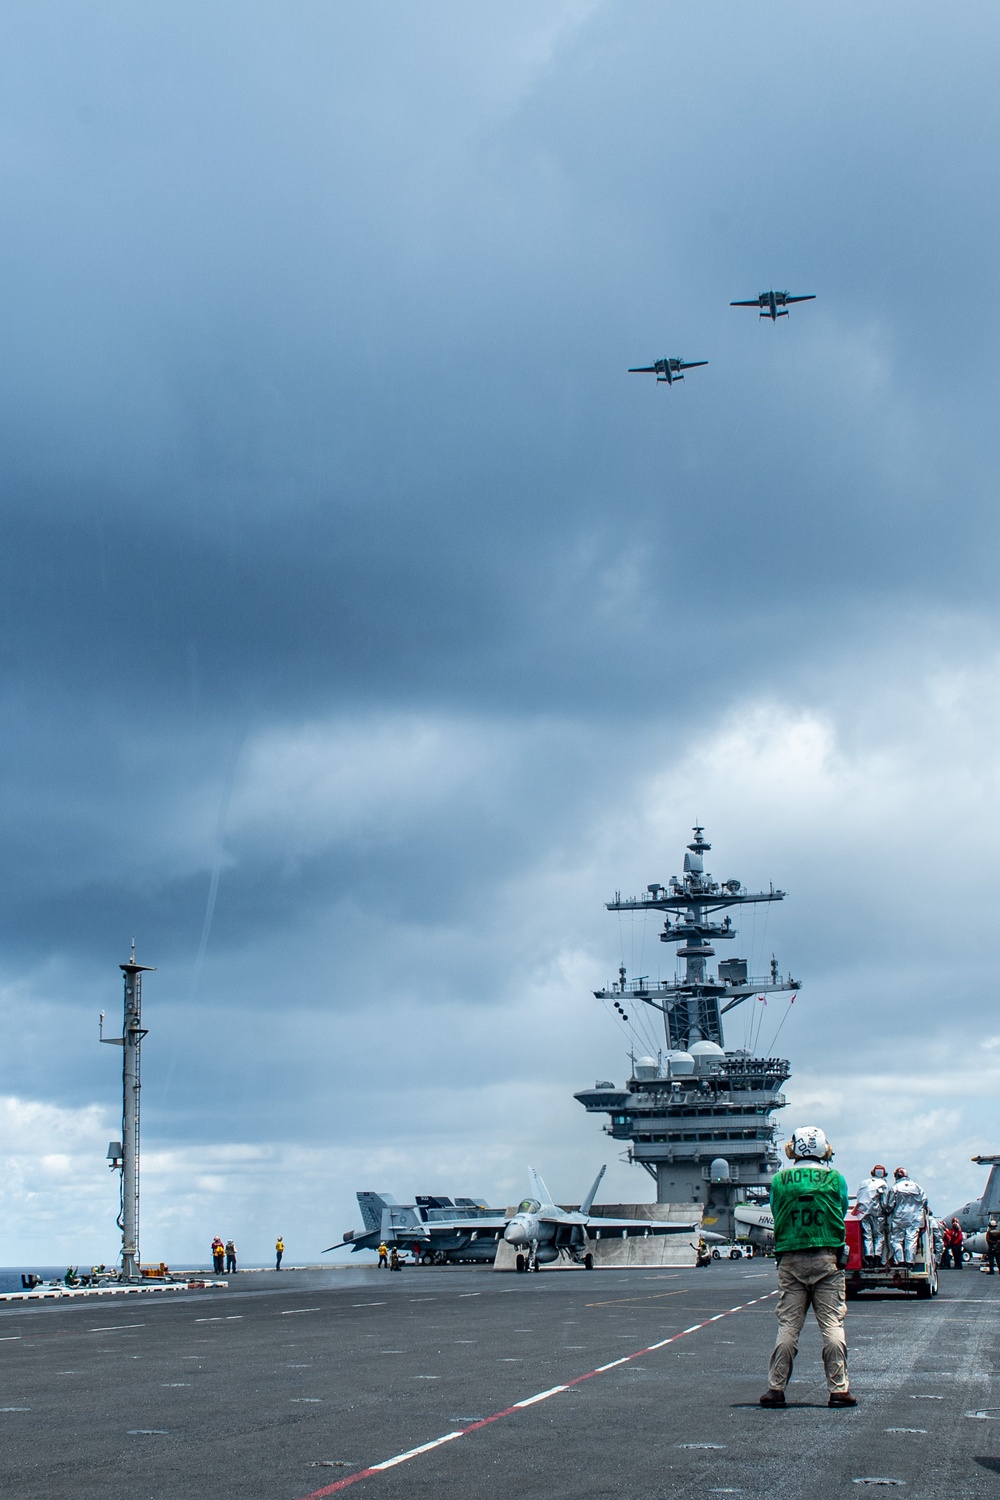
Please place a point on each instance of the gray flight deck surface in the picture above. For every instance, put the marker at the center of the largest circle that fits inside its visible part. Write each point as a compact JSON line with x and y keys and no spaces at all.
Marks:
{"x":285,"y":1385}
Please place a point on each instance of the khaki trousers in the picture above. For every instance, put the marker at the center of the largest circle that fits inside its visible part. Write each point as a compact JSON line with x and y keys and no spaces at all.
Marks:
{"x":810,"y":1278}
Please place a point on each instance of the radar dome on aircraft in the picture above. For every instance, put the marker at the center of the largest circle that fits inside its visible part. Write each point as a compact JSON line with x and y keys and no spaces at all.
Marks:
{"x":680,"y":1064}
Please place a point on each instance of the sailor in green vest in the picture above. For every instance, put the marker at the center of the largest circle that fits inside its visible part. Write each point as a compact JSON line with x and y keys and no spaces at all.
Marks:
{"x":808,"y":1202}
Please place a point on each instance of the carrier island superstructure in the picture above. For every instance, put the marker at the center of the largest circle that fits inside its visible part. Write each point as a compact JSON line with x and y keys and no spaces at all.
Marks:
{"x":698,"y":1116}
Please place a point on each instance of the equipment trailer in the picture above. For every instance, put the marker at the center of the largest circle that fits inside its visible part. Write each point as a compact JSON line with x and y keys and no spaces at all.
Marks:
{"x":921,"y":1277}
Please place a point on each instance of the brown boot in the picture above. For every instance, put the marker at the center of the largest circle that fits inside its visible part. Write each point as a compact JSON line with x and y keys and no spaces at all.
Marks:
{"x":842,"y":1398}
{"x":771,"y":1397}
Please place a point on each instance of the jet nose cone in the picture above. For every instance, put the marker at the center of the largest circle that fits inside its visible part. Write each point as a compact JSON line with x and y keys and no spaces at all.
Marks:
{"x":514,"y":1234}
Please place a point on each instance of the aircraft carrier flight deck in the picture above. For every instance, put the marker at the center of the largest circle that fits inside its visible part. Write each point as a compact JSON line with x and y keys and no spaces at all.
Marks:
{"x":465,"y":1382}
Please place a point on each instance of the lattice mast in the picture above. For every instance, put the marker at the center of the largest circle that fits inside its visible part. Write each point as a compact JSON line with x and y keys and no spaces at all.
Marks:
{"x":693,"y":1007}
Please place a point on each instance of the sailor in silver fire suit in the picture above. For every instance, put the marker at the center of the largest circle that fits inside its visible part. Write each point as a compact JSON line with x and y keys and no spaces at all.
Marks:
{"x":907,"y":1205}
{"x":872,"y":1203}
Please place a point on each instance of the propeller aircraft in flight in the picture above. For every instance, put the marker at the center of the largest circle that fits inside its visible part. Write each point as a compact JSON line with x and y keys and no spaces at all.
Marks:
{"x":774,"y":305}
{"x":668,"y":370}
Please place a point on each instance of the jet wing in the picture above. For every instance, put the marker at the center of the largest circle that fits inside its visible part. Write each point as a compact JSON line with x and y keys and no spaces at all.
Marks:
{"x":617,"y":1228}
{"x":356,"y":1242}
{"x":465,"y":1226}
{"x":643,"y":370}
{"x":632,"y":1228}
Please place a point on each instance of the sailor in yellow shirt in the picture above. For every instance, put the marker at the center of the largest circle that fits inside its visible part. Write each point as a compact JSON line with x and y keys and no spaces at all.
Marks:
{"x":383,"y":1255}
{"x":808,"y":1202}
{"x":279,"y":1250}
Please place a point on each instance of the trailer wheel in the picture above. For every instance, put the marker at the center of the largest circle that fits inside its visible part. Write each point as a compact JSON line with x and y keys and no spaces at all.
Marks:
{"x":519,"y":1263}
{"x":924,"y":1292}
{"x":736,"y":1253}
{"x":588,"y":1262}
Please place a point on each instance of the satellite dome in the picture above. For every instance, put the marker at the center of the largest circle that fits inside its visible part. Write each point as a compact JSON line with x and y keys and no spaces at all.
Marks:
{"x":681,"y":1064}
{"x":646,"y":1067}
{"x":706,"y":1049}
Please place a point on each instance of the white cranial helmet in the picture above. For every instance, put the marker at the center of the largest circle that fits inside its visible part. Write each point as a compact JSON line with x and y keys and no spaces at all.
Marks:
{"x":808,"y":1143}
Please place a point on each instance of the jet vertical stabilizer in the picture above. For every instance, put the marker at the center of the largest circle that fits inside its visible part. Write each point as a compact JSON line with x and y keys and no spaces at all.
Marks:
{"x":371,"y":1206}
{"x":588,"y":1202}
{"x":539,"y":1189}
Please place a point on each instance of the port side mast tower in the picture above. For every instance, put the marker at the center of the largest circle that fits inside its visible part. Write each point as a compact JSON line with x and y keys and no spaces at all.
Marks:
{"x":699,"y":1117}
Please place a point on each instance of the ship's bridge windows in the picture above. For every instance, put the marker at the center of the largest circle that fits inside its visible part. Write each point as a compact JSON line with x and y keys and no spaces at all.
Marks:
{"x":528,"y":1206}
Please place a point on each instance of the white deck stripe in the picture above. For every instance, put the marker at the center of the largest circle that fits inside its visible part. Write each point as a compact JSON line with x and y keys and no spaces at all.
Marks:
{"x":401,"y":1458}
{"x":542,"y":1396}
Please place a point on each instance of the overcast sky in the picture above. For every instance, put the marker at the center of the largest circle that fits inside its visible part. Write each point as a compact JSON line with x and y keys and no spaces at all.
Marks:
{"x":365,"y":626}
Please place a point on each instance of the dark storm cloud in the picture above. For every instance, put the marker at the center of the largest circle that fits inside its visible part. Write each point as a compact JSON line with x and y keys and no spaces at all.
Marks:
{"x":315,"y":374}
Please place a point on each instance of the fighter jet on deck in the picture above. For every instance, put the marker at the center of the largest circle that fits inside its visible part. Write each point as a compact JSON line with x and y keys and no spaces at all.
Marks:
{"x":436,"y":1231}
{"x":975,"y":1216}
{"x":774,"y":305}
{"x":668,"y":370}
{"x":541,"y":1232}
